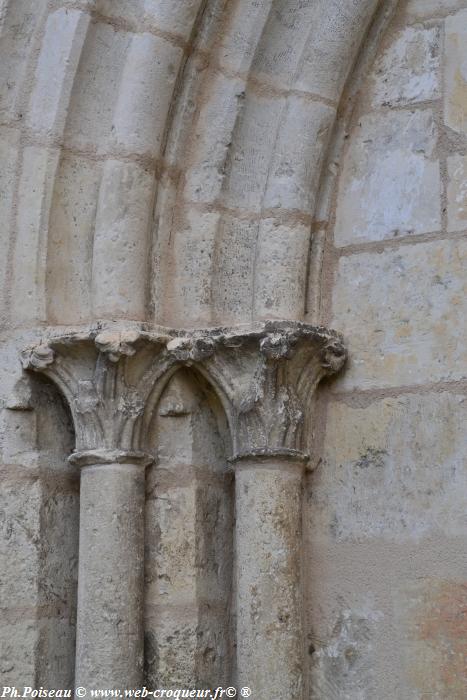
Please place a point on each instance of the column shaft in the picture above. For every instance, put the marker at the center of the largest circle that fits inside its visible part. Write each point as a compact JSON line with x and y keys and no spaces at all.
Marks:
{"x":268,"y":539}
{"x":109,"y":647}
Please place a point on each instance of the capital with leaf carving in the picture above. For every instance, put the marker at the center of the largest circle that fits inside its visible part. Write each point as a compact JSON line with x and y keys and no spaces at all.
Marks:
{"x":265,"y":375}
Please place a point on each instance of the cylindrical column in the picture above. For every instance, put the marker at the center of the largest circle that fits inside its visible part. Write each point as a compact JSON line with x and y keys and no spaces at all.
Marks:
{"x":109,"y":645}
{"x":268,"y":538}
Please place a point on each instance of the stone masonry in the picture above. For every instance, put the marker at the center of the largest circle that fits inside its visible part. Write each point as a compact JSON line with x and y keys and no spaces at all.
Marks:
{"x":202,"y":484}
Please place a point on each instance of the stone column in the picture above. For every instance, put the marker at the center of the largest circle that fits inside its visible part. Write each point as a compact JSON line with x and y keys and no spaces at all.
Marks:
{"x":107,"y":378}
{"x":268,"y":540}
{"x":109,"y":644}
{"x":270,"y":376}
{"x":265,"y":375}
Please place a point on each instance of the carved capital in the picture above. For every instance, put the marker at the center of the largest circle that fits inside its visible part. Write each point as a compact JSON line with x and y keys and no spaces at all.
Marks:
{"x":265,"y":375}
{"x":106,"y":375}
{"x":269,"y":373}
{"x":38,"y":357}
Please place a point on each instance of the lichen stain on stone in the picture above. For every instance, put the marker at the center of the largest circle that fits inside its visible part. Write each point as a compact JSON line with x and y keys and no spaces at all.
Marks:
{"x":373,"y":457}
{"x":340,"y":667}
{"x":441,"y":624}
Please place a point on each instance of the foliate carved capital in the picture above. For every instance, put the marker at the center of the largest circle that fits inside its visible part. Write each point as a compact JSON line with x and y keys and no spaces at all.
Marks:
{"x":333,"y":356}
{"x":117,"y":343}
{"x":269,"y":373}
{"x":38,"y":357}
{"x":192,"y":348}
{"x":105,"y":373}
{"x":265,"y":375}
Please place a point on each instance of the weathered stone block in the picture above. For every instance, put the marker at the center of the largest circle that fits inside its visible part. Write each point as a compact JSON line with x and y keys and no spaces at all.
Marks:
{"x":211,"y":140}
{"x":121,"y":240}
{"x":424,"y":9}
{"x":59,"y":547}
{"x":432,"y":617}
{"x":39,"y":168}
{"x":89,"y":121}
{"x":20,"y":510}
{"x":71,"y":234}
{"x":300,"y":146}
{"x":233,"y":276}
{"x":18,"y":651}
{"x":455,"y":73}
{"x":9,"y":143}
{"x":18,"y":441}
{"x":323,"y":70}
{"x":402,"y":312}
{"x":457,"y":193}
{"x":250,"y":158}
{"x":188,"y":296}
{"x":343,"y":667}
{"x":171,"y":554}
{"x":173,"y":16}
{"x":18,"y":25}
{"x":393,"y":468}
{"x":284,"y":248}
{"x":390,"y":182}
{"x":407,"y":69}
{"x":145,"y":95}
{"x":170,"y":654}
{"x":238,"y":46}
{"x":56,"y":652}
{"x":61,"y":48}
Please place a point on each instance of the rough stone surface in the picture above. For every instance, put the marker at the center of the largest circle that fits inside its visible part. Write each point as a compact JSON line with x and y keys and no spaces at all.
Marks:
{"x":384,"y":521}
{"x":457,"y":193}
{"x":408,"y":71}
{"x":404,"y":321}
{"x":435,"y":608}
{"x":455,"y":99}
{"x":426,"y":9}
{"x":109,"y":642}
{"x":185,"y":186}
{"x":392,"y":153}
{"x":188,"y":592}
{"x":268,"y":538}
{"x":398,"y":473}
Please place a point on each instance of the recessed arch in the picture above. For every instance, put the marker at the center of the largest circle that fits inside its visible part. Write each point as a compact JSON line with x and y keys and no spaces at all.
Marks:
{"x":188,"y":598}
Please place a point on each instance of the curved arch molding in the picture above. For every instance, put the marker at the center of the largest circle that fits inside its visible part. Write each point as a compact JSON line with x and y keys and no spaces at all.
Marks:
{"x":169,"y":172}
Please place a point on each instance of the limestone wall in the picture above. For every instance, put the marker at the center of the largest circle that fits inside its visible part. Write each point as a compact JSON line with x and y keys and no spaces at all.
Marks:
{"x":199,"y":163}
{"x":386,"y":506}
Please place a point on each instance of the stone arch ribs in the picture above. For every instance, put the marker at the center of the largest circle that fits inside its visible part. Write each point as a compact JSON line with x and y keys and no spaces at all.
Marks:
{"x":228,"y":104}
{"x":112,"y":376}
{"x":245,"y":149}
{"x":93,"y":87}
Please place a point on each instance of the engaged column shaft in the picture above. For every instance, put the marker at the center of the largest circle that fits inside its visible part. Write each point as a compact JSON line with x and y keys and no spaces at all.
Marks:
{"x":268,"y":544}
{"x":266,"y":375}
{"x":109,"y":647}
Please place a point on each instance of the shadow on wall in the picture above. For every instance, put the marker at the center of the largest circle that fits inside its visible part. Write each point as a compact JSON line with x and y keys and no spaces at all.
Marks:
{"x":40,"y":513}
{"x":189,"y":540}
